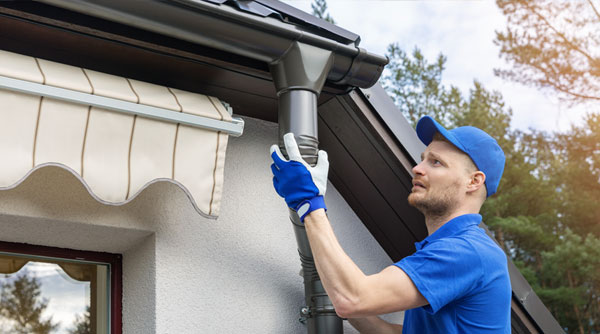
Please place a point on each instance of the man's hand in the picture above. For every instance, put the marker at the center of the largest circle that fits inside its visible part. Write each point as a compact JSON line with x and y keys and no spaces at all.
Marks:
{"x":301,"y":185}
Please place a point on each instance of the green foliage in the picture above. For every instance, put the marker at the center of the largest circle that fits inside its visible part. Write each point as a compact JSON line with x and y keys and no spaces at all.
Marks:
{"x":577,"y":170}
{"x":21,"y":302}
{"x":415,"y":85}
{"x":553,"y":45}
{"x":82,"y":323}
{"x":319,"y":9}
{"x":571,"y":281}
{"x":523,"y":236}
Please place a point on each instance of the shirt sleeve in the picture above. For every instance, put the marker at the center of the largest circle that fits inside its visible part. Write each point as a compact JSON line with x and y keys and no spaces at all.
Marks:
{"x":443,"y":271}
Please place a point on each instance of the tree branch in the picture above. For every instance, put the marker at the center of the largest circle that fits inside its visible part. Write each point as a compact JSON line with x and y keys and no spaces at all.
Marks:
{"x":558,"y":86}
{"x":594,"y":8}
{"x":561,"y":35}
{"x":567,"y":91}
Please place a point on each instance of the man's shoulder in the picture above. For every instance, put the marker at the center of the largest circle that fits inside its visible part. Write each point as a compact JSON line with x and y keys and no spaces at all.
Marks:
{"x":478,"y":240}
{"x":490,"y":257}
{"x":474,"y":243}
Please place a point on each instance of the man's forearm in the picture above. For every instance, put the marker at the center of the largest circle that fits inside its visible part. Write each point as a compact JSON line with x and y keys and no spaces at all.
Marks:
{"x":374,"y":325}
{"x":340,"y":276}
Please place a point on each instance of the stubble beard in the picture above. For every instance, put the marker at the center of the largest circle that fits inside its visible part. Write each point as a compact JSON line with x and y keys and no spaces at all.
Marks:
{"x":434,"y":205}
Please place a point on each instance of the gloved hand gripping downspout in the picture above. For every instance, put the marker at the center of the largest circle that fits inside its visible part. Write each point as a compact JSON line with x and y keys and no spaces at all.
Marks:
{"x":301,"y":185}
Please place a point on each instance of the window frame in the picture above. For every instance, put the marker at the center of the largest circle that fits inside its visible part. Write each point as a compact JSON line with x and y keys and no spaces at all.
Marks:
{"x":115,"y":262}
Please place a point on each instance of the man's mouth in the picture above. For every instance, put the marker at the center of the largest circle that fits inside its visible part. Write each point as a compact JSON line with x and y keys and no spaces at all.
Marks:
{"x":418,"y":184}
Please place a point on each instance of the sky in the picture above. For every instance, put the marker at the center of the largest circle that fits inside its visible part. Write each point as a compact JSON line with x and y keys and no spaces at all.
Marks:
{"x":464,"y":32}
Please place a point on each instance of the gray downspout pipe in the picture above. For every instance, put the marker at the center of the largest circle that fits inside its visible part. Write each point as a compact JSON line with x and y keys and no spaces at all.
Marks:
{"x":299,"y":77}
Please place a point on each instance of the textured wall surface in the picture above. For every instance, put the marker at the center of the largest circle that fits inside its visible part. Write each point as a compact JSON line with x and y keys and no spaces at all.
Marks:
{"x":184,"y":273}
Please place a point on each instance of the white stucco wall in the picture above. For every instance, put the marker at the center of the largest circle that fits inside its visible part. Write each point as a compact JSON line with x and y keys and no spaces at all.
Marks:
{"x":183,"y":273}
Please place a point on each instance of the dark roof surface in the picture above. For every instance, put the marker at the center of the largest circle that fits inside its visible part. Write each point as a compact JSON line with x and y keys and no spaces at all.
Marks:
{"x":288,"y":14}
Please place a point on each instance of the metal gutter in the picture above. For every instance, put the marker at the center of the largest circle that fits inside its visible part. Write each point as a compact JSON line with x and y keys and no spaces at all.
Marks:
{"x":225,"y":28}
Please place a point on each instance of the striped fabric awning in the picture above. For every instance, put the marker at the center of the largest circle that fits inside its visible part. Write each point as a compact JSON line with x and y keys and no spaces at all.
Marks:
{"x":116,"y":155}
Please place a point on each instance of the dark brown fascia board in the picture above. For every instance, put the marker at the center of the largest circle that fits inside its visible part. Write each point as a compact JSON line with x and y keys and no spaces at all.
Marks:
{"x":59,"y":35}
{"x":88,"y":26}
{"x":391,"y":119}
{"x":368,"y":174}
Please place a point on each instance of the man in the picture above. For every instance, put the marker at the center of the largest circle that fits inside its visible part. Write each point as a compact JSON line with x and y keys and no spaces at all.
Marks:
{"x":457,"y":281}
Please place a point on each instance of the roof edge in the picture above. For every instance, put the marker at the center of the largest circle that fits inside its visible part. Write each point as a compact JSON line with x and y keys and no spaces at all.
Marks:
{"x":225,"y":28}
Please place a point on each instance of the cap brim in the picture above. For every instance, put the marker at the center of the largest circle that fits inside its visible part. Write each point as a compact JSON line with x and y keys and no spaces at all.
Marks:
{"x":427,"y":127}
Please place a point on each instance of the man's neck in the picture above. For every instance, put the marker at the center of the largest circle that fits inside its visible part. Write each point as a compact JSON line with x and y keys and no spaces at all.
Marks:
{"x":435,"y":222}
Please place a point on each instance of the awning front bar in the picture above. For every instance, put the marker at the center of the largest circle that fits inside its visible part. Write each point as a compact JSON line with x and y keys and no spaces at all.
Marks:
{"x":234,"y":128}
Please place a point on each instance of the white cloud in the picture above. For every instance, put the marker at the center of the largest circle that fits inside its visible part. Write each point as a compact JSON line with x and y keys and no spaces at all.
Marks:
{"x":463,"y":31}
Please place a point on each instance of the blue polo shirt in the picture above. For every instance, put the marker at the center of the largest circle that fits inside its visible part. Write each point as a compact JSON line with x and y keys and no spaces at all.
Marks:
{"x":463,"y":275}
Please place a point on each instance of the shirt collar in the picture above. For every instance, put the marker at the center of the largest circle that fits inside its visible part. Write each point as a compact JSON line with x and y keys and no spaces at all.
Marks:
{"x":450,"y":228}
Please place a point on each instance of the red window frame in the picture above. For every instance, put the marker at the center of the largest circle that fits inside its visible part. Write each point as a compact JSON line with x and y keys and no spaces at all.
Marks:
{"x":114,"y":260}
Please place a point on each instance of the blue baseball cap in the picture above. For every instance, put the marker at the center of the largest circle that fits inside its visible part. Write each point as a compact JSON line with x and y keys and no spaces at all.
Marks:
{"x":476,"y":143}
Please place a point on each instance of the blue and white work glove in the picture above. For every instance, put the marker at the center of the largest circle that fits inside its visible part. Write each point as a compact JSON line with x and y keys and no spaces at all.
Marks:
{"x":301,"y":185}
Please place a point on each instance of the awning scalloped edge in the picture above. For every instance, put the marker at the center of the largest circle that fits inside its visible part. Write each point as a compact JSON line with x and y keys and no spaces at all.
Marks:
{"x":103,"y":201}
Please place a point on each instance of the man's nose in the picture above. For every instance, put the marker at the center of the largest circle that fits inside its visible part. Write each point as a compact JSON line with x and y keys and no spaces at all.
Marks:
{"x":418,"y":169}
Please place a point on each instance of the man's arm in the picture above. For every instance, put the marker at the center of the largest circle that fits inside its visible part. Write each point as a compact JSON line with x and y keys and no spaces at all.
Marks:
{"x":353,"y":293}
{"x":374,"y":325}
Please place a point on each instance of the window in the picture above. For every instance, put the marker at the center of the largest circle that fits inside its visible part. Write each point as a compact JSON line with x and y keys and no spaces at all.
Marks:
{"x":54,"y":290}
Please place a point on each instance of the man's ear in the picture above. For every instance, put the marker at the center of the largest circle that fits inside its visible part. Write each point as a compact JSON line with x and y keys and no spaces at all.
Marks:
{"x":476,"y":181}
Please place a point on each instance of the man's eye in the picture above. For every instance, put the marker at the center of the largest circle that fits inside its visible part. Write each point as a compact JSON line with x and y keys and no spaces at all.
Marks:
{"x":437,"y":162}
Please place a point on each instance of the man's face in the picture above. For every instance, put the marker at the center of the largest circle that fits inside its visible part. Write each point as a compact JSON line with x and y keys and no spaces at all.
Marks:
{"x":439,"y":180}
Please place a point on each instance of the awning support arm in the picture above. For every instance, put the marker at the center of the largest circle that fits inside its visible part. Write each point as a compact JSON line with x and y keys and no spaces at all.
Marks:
{"x":234,"y":128}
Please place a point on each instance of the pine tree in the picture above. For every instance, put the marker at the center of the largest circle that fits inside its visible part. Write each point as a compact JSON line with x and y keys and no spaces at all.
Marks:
{"x":82,"y":323}
{"x":416,"y":87}
{"x":553,"y":45}
{"x":319,"y":9}
{"x":21,"y":302}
